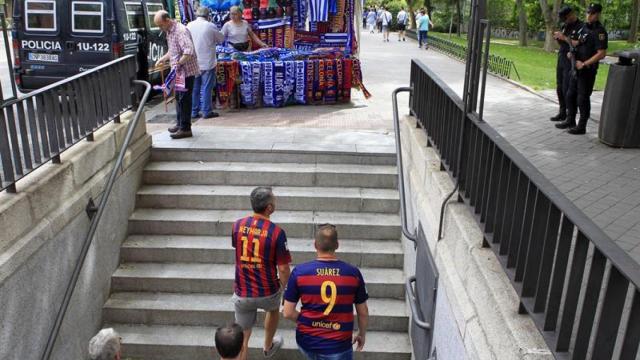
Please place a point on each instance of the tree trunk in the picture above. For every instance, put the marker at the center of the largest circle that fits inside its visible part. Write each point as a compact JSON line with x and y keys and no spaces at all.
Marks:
{"x":550,"y":21}
{"x":522,"y":23}
{"x":458,"y":18}
{"x":633,"y":30}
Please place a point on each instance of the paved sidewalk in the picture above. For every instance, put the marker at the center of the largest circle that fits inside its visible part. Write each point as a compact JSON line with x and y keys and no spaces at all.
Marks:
{"x":602,"y":181}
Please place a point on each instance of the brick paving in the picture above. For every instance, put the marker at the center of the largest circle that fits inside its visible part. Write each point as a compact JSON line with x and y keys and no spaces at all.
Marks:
{"x":602,"y":181}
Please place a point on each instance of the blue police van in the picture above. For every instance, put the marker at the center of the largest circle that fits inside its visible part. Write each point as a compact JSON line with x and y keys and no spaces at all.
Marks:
{"x":55,"y":39}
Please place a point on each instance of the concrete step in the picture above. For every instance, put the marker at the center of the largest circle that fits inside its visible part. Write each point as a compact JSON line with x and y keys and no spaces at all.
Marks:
{"x":216,"y":310}
{"x":162,"y":342}
{"x":312,"y":155}
{"x":217,"y":249}
{"x":222,"y":197}
{"x":270,"y":174}
{"x":218,"y":279}
{"x":299,"y":224}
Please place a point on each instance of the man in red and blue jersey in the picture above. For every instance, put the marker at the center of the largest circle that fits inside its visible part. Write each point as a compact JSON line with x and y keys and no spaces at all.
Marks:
{"x":261,"y":256}
{"x":328,"y":289}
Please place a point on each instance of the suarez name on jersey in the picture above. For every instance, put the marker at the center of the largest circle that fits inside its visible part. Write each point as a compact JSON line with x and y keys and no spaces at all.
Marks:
{"x":260,"y":247}
{"x":328,"y":290}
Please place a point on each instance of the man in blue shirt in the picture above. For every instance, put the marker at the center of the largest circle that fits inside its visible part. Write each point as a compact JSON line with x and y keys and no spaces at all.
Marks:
{"x":424,"y":22}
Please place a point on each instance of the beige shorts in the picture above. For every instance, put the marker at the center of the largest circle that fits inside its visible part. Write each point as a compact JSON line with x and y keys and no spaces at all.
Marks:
{"x":246,"y":308}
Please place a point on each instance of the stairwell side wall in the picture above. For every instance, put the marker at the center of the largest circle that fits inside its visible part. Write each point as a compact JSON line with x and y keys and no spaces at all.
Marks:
{"x":43,"y":227}
{"x":476,"y":307}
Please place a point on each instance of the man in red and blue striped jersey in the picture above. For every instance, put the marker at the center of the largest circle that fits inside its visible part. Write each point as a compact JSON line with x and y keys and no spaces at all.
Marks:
{"x":328,"y":289}
{"x":261,"y":256}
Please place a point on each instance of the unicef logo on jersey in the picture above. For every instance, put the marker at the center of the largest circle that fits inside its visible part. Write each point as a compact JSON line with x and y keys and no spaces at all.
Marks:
{"x":326,"y":325}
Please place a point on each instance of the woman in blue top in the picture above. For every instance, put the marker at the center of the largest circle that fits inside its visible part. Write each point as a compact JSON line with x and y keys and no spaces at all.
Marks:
{"x":424,"y":22}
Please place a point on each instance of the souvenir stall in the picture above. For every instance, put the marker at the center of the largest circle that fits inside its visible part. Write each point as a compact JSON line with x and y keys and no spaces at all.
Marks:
{"x":311,"y":56}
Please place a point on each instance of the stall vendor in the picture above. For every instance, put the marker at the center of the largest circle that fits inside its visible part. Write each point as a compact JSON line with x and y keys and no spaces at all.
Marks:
{"x":238,"y":31}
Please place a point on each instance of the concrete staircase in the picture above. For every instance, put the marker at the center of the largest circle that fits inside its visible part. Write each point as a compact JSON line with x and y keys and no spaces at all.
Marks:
{"x":174,"y":285}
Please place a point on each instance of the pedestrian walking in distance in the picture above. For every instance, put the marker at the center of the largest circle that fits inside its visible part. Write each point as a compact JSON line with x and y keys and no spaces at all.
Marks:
{"x":564,"y":67}
{"x":328,"y":290}
{"x":205,"y":38}
{"x":262,"y":270}
{"x":386,"y":24}
{"x":371,"y":20}
{"x":402,"y":19}
{"x":424,"y":22}
{"x":182,"y":57}
{"x":591,"y":43}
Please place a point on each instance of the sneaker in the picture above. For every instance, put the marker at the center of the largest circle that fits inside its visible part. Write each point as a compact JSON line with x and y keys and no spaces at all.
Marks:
{"x":210,"y":115}
{"x":174,"y":129}
{"x":181,"y":134}
{"x":195,"y":116}
{"x":277,"y":343}
{"x":558,"y":117}
{"x":403,"y":39}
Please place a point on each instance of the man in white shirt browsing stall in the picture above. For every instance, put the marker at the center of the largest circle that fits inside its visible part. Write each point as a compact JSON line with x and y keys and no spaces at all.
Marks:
{"x":205,"y":37}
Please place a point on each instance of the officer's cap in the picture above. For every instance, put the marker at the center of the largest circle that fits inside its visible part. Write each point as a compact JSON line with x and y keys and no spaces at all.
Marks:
{"x":594,"y":8}
{"x":564,"y":12}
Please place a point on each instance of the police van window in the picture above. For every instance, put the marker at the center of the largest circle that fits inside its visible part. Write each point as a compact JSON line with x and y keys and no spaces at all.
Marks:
{"x":86,"y":17}
{"x":135,"y":16}
{"x":41,"y":15}
{"x":152,"y":9}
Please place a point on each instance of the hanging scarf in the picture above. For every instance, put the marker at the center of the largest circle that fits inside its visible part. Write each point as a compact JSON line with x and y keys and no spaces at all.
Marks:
{"x":339,"y":80}
{"x":319,"y":82}
{"x":301,"y":14}
{"x":338,"y":20}
{"x":330,"y":95}
{"x":357,"y":78}
{"x":289,"y":81}
{"x":278,"y":83}
{"x":246,"y":87}
{"x":348,"y":76}
{"x":279,"y":34}
{"x":256,"y":73}
{"x":310,"y":78}
{"x":288,"y":37}
{"x":227,"y":74}
{"x":268,"y":96}
{"x":301,"y":81}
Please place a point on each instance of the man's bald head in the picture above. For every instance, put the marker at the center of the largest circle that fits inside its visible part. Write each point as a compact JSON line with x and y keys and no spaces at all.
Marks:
{"x":162,"y":20}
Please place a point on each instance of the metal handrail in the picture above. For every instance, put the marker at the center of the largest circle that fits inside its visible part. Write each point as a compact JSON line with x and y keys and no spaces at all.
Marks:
{"x":408,"y":287}
{"x":95,"y":221}
{"x":411,"y":236}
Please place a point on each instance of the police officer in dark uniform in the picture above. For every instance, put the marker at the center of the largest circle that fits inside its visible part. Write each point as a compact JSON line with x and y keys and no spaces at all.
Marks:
{"x":570,"y":25}
{"x":591,"y":42}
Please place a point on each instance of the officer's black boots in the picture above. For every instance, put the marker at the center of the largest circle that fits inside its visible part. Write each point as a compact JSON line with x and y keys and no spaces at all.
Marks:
{"x":577,"y":130}
{"x":559,"y":117}
{"x":568,"y":123}
{"x":580,"y":129}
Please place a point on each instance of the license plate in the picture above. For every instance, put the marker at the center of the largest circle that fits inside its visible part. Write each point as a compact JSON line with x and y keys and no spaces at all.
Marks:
{"x":43,"y":57}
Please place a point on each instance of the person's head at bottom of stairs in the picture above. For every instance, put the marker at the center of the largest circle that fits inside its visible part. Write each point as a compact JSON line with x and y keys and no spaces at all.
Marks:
{"x":229,"y":340}
{"x":106,"y":345}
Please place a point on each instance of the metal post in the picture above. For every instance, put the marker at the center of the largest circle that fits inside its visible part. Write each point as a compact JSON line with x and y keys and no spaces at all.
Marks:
{"x":7,"y":48}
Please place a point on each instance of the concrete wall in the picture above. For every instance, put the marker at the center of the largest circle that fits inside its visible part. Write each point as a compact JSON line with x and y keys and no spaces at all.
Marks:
{"x":476,"y":308}
{"x":43,"y":227}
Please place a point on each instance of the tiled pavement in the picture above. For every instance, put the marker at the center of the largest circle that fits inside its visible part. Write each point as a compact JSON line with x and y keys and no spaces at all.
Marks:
{"x":602,"y":181}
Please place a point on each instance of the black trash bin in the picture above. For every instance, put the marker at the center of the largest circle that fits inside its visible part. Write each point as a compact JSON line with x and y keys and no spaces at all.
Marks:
{"x":620,"y":117}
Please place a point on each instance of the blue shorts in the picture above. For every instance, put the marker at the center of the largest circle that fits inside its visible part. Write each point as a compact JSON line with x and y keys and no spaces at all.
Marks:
{"x":347,"y":355}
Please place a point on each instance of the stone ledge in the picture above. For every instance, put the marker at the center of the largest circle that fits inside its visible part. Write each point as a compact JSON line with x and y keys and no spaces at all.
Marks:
{"x":482,"y":300}
{"x":49,"y":188}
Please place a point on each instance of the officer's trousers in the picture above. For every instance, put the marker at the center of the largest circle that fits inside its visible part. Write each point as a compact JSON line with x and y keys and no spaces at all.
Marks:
{"x":579,"y":95}
{"x":563,"y":79}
